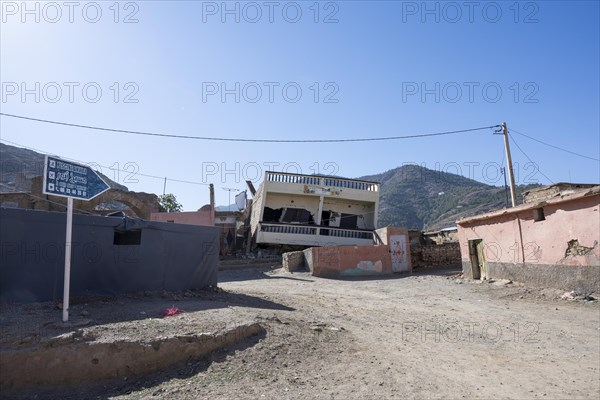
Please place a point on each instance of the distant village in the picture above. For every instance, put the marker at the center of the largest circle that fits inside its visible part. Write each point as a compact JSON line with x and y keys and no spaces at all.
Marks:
{"x":325,"y":225}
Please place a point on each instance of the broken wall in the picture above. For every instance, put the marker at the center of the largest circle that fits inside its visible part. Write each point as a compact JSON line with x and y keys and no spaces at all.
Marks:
{"x":435,"y":255}
{"x":345,"y":261}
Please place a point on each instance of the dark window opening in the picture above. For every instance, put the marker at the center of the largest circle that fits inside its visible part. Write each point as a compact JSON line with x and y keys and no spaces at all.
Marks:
{"x":348,"y":221}
{"x":325,"y":218}
{"x":298,"y":215}
{"x":538,"y":214}
{"x":133,"y":237}
{"x":271,"y":215}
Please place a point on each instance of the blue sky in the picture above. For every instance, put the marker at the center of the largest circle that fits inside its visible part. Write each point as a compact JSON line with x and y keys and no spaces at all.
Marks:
{"x":364,"y":69}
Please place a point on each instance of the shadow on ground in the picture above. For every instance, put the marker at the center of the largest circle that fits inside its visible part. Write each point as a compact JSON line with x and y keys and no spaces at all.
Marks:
{"x":31,"y":323}
{"x":255,"y":274}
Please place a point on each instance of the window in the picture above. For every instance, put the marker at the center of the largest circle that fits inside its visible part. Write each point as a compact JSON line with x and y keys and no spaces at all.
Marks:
{"x":348,"y":221}
{"x":538,"y":214}
{"x":297,"y":215}
{"x":133,"y":237}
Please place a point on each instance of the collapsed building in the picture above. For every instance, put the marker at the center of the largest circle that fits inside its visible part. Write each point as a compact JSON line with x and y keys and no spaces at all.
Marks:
{"x":309,"y":210}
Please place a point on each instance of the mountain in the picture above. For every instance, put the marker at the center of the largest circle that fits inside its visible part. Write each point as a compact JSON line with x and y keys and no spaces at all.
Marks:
{"x":420,"y":198}
{"x":411,"y":195}
{"x":15,"y":160}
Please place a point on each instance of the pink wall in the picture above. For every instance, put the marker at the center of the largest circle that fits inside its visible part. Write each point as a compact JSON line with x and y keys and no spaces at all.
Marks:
{"x":517,"y":238}
{"x":335,"y":261}
{"x":204,"y":218}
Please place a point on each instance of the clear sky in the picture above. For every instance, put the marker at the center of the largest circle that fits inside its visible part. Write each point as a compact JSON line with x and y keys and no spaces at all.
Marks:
{"x":303,"y":70}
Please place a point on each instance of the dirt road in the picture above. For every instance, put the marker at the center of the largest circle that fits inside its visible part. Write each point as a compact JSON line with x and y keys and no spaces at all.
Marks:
{"x":421,"y":336}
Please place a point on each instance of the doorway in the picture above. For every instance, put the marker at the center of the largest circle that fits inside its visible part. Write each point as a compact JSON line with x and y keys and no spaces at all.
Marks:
{"x":476,"y":254}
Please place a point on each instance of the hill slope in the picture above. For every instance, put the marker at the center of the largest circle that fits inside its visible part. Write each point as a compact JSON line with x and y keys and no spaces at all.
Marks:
{"x":420,"y":198}
{"x":411,"y":196}
{"x":14,"y":160}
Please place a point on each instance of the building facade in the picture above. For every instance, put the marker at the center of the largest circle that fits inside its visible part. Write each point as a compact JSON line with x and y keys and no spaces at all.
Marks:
{"x":553,"y":242}
{"x":309,"y":210}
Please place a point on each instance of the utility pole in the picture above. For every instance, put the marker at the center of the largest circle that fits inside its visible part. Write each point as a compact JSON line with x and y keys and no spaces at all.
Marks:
{"x":511,"y":176}
{"x":505,"y":187}
{"x":229,"y":201}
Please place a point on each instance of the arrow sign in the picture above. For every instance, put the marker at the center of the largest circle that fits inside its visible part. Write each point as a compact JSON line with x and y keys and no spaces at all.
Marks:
{"x":69,"y":179}
{"x":73,"y":181}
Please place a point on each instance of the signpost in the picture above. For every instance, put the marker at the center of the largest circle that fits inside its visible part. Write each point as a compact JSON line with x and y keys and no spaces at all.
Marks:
{"x":73,"y":181}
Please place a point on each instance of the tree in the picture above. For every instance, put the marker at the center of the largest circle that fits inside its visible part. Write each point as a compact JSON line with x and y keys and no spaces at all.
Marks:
{"x":168,"y":203}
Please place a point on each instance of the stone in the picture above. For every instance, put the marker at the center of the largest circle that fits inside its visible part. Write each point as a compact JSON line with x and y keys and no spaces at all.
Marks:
{"x":293,"y":261}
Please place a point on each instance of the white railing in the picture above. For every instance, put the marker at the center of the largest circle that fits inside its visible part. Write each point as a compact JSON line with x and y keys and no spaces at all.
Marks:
{"x":316,"y":230}
{"x":283,"y":177}
{"x":293,"y":229}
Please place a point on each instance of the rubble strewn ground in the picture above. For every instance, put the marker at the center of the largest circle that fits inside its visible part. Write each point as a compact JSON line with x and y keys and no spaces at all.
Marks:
{"x":426,"y":335}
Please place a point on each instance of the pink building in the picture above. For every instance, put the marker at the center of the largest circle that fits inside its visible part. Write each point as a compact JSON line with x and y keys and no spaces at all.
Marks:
{"x":204,"y":216}
{"x":551,"y":241}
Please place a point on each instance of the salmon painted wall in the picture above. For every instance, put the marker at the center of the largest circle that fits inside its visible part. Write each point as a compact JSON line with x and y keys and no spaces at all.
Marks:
{"x":204,"y":218}
{"x":340,"y":261}
{"x":518,"y":238}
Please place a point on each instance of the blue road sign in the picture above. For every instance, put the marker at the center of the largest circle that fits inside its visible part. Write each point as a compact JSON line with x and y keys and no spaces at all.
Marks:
{"x":69,"y":179}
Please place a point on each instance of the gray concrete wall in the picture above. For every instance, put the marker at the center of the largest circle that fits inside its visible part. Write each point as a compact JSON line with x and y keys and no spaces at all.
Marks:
{"x":583,"y":278}
{"x":168,"y":257}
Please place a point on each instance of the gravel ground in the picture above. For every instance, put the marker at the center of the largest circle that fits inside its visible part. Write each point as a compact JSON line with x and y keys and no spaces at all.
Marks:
{"x":427,"y":335}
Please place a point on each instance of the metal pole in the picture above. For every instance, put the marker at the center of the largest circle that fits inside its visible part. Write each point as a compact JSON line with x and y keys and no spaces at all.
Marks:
{"x":511,"y":177}
{"x":67,"y":282}
{"x":165,"y":186}
{"x":505,"y":187}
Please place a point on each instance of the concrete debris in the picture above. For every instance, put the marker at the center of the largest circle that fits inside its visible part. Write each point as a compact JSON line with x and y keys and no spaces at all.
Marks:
{"x":574,"y":295}
{"x":568,"y":296}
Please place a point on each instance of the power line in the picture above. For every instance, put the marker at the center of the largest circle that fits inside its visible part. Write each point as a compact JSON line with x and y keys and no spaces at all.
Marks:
{"x":554,"y":147}
{"x":242,"y":139}
{"x":530,"y":160}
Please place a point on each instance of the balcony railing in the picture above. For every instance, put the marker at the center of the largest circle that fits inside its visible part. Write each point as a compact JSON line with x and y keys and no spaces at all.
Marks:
{"x":316,"y":230}
{"x":346,"y":233}
{"x":294,"y":229}
{"x":283,"y":177}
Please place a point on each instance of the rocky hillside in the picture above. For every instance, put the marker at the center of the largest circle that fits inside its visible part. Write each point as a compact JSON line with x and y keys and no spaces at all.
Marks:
{"x":16,"y":160}
{"x":417,"y":197}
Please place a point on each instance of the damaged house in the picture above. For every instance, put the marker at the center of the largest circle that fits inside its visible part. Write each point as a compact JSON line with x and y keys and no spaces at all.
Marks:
{"x":552,"y":240}
{"x":309,"y":210}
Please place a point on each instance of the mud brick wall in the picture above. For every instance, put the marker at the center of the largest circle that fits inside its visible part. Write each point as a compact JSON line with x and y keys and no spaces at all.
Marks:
{"x":434,"y":256}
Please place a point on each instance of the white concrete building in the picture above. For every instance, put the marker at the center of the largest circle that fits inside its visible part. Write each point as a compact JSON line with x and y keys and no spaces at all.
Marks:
{"x":309,"y":210}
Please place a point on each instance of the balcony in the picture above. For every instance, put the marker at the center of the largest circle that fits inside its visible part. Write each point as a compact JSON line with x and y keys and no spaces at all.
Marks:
{"x":310,"y":235}
{"x":342,"y":183}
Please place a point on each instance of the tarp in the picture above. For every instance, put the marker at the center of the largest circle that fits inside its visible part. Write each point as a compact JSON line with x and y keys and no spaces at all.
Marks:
{"x":168,"y":257}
